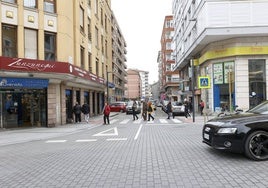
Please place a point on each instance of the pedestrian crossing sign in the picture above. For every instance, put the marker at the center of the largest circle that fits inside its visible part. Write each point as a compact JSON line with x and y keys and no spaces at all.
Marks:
{"x":204,"y":82}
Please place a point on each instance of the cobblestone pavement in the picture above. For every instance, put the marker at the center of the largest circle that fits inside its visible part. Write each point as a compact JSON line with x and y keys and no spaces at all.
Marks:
{"x":127,"y":154}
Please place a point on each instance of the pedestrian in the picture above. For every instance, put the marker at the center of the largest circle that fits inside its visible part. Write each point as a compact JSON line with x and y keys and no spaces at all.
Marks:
{"x":85,"y":111}
{"x":201,"y":104}
{"x":106,"y":114}
{"x":150,"y":111}
{"x":144,"y":110}
{"x":169,"y":109}
{"x":186,"y":108}
{"x":134,"y":110}
{"x":77,"y":112}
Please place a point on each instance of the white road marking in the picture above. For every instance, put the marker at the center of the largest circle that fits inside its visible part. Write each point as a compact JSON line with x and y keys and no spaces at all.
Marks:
{"x":137,"y":121}
{"x":104,"y":133}
{"x":87,"y":140}
{"x":138,"y":133}
{"x":56,"y":141}
{"x":125,"y":121}
{"x":113,"y":121}
{"x":116,"y":139}
{"x":163,"y":121}
{"x":150,"y":122}
{"x":176,"y":121}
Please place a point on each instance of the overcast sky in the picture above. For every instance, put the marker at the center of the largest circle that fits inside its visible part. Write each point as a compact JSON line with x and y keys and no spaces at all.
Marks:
{"x":141,"y":22}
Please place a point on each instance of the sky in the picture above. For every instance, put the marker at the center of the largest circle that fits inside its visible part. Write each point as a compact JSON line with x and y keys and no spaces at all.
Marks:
{"x":141,"y":23}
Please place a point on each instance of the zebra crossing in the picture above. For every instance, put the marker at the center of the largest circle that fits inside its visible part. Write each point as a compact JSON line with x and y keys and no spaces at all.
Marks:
{"x":139,"y":121}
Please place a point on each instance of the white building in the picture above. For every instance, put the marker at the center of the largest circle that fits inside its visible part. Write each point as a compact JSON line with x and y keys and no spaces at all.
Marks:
{"x":228,"y":43}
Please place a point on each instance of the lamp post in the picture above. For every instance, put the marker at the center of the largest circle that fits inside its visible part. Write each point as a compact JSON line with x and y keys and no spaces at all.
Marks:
{"x":107,"y":85}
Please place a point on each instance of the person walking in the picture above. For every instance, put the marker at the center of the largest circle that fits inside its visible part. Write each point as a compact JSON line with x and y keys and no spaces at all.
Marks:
{"x":85,"y":111}
{"x":144,"y":110}
{"x":150,"y":111}
{"x":201,"y":104}
{"x":169,"y":110}
{"x":186,"y":108}
{"x":106,"y":114}
{"x":134,"y":110}
{"x":77,"y":112}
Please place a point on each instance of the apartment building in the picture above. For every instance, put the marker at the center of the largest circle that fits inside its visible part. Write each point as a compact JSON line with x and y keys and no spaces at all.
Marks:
{"x":226,"y":44}
{"x":119,"y":73}
{"x":53,"y":54}
{"x":169,"y":79}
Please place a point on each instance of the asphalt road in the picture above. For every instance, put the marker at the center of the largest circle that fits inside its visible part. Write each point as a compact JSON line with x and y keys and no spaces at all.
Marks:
{"x":127,"y":153}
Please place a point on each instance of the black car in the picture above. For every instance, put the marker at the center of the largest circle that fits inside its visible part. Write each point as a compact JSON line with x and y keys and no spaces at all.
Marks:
{"x":240,"y":132}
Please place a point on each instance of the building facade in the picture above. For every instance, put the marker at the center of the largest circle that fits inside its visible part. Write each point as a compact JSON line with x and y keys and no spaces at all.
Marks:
{"x":169,"y":79}
{"x":221,"y":52}
{"x":53,"y":55}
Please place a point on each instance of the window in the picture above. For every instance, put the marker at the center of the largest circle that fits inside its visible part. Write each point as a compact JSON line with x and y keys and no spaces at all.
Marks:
{"x":81,"y":19}
{"x":82,"y":57}
{"x":89,"y":35}
{"x":10,"y":1}
{"x":50,"y":47}
{"x":49,"y":6}
{"x":89,"y":62}
{"x":97,"y":67}
{"x":9,"y":41}
{"x":30,"y":3}
{"x":30,"y":43}
{"x":257,"y":81}
{"x":96,"y":37}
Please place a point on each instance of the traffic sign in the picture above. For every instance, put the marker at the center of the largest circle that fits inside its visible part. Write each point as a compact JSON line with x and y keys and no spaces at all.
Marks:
{"x":204,"y":82}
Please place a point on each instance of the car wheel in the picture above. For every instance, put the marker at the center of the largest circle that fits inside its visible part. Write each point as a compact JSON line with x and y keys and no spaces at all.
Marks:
{"x":256,"y":146}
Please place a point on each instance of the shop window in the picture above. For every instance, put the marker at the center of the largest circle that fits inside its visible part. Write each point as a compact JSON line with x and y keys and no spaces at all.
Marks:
{"x":49,"y":6}
{"x":30,"y":3}
{"x":50,"y":47}
{"x":9,"y":41}
{"x":30,"y":45}
{"x":257,"y":84}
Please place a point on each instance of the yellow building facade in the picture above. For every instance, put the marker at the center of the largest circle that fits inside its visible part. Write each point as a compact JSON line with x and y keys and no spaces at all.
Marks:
{"x":53,"y":54}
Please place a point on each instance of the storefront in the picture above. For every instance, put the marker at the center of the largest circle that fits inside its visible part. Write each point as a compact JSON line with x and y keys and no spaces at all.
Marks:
{"x":43,"y":93}
{"x":23,"y":102}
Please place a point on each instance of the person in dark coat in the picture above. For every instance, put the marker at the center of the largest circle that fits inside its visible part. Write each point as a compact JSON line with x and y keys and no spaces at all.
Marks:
{"x":144,"y":111}
{"x":169,"y":109}
{"x":77,"y":112}
{"x":85,"y":110}
{"x":134,"y":110}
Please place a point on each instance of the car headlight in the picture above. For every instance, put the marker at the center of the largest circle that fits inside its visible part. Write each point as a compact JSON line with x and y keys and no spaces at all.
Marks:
{"x":227,"y":130}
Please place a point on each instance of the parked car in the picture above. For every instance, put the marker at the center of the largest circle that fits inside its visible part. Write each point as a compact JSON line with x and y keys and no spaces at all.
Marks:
{"x":118,"y":107}
{"x":177,"y":108}
{"x":129,"y":107}
{"x":240,"y":132}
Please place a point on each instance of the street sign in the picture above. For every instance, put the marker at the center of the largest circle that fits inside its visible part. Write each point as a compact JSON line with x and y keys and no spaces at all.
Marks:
{"x":204,"y":82}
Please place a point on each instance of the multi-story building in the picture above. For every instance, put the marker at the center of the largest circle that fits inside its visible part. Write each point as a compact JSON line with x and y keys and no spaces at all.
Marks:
{"x":119,"y":62}
{"x":226,"y":43}
{"x":133,"y":84}
{"x":52,"y":55}
{"x":170,"y":79}
{"x":144,"y":76}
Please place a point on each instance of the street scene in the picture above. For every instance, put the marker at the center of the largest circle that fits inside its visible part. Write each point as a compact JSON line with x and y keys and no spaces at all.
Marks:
{"x":125,"y":153}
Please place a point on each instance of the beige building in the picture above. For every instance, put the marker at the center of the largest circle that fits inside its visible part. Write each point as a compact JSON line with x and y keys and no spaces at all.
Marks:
{"x":53,"y":54}
{"x":133,"y":84}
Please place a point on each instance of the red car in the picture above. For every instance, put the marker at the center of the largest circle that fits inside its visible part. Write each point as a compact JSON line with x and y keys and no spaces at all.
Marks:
{"x":118,"y":107}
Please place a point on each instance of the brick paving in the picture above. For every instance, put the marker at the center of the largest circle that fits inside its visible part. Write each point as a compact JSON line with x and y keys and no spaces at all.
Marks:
{"x":164,"y":155}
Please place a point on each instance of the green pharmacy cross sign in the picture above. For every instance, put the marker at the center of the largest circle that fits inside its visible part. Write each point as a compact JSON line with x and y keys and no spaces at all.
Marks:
{"x":204,"y":82}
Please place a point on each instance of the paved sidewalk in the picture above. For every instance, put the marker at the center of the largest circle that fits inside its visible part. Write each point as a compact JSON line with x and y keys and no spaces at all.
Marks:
{"x":14,"y":136}
{"x":20,"y":135}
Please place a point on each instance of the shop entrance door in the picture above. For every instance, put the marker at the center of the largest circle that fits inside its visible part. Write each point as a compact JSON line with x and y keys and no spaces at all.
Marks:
{"x":23,"y":108}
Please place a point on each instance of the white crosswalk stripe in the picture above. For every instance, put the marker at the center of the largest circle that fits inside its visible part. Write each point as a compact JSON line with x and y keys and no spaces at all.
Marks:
{"x":139,"y":121}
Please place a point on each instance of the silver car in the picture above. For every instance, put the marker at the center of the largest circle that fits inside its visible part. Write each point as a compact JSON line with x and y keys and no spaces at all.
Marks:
{"x":129,"y":107}
{"x":177,"y":108}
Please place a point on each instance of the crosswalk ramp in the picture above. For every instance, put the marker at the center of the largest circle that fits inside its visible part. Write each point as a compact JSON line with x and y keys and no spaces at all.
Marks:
{"x":139,"y":121}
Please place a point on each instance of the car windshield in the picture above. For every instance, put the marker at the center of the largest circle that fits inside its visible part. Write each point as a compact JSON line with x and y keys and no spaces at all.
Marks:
{"x":177,"y":103}
{"x":260,"y":109}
